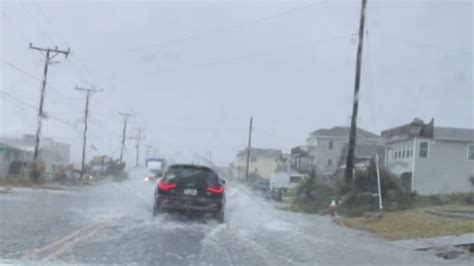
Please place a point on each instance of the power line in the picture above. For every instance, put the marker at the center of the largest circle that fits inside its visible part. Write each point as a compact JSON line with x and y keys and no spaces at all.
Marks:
{"x":57,"y":119}
{"x":421,"y":44}
{"x":19,"y":100}
{"x":36,"y":108}
{"x":225,"y":28}
{"x":20,"y":70}
{"x":47,"y":22}
{"x":249,"y":55}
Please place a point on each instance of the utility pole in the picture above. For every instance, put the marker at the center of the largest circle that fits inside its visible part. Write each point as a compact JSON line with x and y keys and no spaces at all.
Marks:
{"x":49,"y":54}
{"x":125,"y":116}
{"x":349,"y":171}
{"x":89,"y":92}
{"x":148,"y":148}
{"x":248,"y":150}
{"x":138,"y":138}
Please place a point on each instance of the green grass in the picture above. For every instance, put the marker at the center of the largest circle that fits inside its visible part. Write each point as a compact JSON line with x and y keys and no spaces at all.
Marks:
{"x":414,"y":223}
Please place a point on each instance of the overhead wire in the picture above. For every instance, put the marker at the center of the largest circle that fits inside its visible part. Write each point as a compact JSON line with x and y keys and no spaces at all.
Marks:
{"x":421,"y":44}
{"x":253,"y":54}
{"x":50,"y":37}
{"x":84,"y":70}
{"x":35,"y":108}
{"x":225,"y":28}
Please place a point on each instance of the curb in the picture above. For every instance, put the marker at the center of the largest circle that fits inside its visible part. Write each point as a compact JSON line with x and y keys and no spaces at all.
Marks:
{"x":456,"y":215}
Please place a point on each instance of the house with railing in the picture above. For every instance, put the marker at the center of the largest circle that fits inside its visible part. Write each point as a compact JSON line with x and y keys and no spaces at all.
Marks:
{"x":430,"y":159}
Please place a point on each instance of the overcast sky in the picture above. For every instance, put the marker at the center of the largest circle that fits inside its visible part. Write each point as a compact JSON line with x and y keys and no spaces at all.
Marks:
{"x":194,"y":72}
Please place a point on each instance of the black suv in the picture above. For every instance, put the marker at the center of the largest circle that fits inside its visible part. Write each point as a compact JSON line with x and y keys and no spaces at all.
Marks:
{"x":191,"y":189}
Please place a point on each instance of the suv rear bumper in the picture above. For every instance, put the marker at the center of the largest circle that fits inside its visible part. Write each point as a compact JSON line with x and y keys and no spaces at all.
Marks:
{"x":197,"y":204}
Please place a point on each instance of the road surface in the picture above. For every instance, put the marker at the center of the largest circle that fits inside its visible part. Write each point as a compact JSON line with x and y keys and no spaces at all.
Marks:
{"x":112,"y":223}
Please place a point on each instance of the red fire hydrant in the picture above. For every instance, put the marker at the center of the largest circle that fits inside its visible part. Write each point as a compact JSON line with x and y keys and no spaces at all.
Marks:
{"x":332,"y":208}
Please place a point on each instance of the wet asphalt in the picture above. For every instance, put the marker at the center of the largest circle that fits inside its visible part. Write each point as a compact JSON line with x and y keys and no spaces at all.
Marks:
{"x":112,"y":223}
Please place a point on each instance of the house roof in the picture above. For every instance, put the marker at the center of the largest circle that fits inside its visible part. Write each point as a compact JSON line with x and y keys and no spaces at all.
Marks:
{"x":261,"y":152}
{"x":451,"y":133}
{"x":16,"y":146}
{"x":342,"y":132}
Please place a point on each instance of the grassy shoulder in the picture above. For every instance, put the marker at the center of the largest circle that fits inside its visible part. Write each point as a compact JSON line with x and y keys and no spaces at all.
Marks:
{"x":413,"y":223}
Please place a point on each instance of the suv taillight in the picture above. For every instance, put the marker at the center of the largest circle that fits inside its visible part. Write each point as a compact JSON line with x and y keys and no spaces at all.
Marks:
{"x":218,"y":190}
{"x":163,"y":186}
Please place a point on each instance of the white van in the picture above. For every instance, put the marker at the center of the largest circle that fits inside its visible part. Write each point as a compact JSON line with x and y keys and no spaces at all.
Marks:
{"x":281,"y":182}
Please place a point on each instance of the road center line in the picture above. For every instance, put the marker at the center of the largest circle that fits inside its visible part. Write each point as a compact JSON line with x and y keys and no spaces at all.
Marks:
{"x":57,"y":244}
{"x":67,"y":246}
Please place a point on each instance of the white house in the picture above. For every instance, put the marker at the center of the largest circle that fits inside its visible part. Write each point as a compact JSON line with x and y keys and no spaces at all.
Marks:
{"x":13,"y":150}
{"x":262,"y":163}
{"x":327,"y":146}
{"x":429,"y":159}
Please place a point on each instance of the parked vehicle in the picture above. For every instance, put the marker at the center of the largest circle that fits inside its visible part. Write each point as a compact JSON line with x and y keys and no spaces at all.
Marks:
{"x":156,"y":167}
{"x":281,"y":182}
{"x":189,"y":188}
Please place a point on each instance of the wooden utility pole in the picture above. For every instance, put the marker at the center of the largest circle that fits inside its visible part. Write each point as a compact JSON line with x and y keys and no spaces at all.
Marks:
{"x":248,"y":151}
{"x":148,"y":148}
{"x":349,"y":171}
{"x":138,"y":137}
{"x":89,"y":92}
{"x":125,"y":116}
{"x":49,"y":54}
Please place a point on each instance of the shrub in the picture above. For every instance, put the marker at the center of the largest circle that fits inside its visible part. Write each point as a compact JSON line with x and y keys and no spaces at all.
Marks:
{"x":361,"y":196}
{"x":312,"y":194}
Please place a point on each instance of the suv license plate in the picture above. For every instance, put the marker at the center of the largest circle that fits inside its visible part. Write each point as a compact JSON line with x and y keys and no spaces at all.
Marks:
{"x":191,"y":192}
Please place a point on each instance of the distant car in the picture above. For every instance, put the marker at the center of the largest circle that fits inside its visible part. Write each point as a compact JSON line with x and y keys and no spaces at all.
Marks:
{"x":190,"y":189}
{"x":153,"y":176}
{"x":285,"y":181}
{"x":88,"y":179}
{"x":261,"y":185}
{"x":282,"y":182}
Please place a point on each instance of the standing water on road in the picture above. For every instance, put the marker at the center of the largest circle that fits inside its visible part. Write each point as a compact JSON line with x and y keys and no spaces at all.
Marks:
{"x":308,"y":132}
{"x":116,"y":226}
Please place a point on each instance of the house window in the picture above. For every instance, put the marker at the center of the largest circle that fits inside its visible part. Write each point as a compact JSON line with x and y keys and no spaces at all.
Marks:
{"x":331,"y":144}
{"x":423,"y":149}
{"x":253,"y":159}
{"x":470,"y":152}
{"x":295,"y":179}
{"x":329,"y":162}
{"x":395,"y":155}
{"x":403,"y":154}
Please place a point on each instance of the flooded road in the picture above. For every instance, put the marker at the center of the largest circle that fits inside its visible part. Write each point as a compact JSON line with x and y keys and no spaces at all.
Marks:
{"x":112,"y":223}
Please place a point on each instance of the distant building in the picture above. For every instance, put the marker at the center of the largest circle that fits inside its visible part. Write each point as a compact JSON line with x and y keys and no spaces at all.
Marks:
{"x":301,"y":160}
{"x":15,"y":160}
{"x":363,"y":154}
{"x":326,"y":146}
{"x":429,"y":159}
{"x":19,"y":151}
{"x":263,"y":162}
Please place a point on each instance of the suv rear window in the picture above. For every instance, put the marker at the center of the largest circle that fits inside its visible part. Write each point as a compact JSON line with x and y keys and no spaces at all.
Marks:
{"x":190,"y":174}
